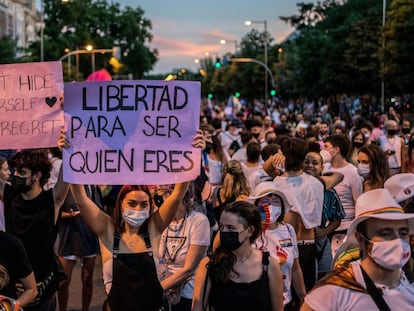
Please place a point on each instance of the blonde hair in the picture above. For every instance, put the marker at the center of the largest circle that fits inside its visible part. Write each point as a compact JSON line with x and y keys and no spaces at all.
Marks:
{"x":234,"y":182}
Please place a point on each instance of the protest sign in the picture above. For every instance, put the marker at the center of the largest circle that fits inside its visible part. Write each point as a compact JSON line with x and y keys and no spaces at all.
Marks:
{"x":30,"y":113}
{"x":131,"y":132}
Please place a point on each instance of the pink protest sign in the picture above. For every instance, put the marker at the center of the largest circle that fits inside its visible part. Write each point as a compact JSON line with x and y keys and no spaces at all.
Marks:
{"x":30,"y":114}
{"x":131,"y":132}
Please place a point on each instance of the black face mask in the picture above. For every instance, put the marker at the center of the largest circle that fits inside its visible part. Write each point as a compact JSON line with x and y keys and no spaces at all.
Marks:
{"x":256,"y":135}
{"x":230,"y":240}
{"x":405,"y":130}
{"x":158,"y":200}
{"x":19,"y":184}
{"x":358,"y":144}
{"x":391,"y":132}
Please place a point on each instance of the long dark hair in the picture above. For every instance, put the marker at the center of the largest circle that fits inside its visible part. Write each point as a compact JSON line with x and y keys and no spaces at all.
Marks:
{"x":378,"y":164}
{"x":222,"y":260}
{"x":119,"y":221}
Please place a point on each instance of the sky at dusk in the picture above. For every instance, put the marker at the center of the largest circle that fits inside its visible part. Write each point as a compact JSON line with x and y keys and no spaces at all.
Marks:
{"x":184,"y":30}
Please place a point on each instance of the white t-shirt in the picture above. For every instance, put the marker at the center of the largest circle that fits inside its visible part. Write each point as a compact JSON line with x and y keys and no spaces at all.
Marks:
{"x":175,"y":245}
{"x":348,"y":190}
{"x":336,"y":298}
{"x":240,"y":155}
{"x":227,"y":138}
{"x":305,"y":192}
{"x":282,"y":244}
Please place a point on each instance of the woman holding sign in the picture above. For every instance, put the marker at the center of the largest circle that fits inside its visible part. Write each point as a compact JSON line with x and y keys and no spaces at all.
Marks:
{"x":129,"y":243}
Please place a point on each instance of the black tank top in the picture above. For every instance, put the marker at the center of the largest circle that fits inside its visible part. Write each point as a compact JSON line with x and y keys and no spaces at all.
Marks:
{"x":135,"y":284}
{"x":243,"y":296}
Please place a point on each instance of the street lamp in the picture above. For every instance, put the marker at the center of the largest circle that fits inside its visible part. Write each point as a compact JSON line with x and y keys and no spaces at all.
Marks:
{"x":90,"y":49}
{"x":384,"y":8}
{"x":249,"y":23}
{"x":223,"y":41}
{"x":42,"y":31}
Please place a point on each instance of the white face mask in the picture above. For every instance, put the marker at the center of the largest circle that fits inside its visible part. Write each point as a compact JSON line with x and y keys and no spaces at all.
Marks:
{"x":326,"y":156}
{"x":274,"y":213}
{"x":363,"y":170}
{"x":135,"y":218}
{"x":391,"y":255}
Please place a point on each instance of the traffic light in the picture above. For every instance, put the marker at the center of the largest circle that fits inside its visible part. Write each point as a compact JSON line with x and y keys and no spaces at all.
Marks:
{"x":237,"y":94}
{"x":210,"y":96}
{"x":218,"y":63}
{"x":273,"y":92}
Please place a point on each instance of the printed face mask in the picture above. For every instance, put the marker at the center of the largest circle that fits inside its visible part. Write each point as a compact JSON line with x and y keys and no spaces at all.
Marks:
{"x":269,"y":213}
{"x":134,"y":218}
{"x":391,"y":255}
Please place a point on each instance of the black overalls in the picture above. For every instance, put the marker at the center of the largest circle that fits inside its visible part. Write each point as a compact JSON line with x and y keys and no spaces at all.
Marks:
{"x":135,"y":284}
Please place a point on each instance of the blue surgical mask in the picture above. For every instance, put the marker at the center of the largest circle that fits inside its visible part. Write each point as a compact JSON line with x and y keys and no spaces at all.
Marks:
{"x":135,"y":218}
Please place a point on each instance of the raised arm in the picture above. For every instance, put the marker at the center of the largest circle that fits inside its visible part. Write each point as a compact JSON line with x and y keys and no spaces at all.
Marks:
{"x":95,"y":218}
{"x":61,"y":188}
{"x":163,"y":216}
{"x":331,"y":179}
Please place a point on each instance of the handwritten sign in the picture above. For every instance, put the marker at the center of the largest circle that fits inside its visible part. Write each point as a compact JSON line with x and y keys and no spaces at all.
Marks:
{"x":131,"y":132}
{"x":30,"y":114}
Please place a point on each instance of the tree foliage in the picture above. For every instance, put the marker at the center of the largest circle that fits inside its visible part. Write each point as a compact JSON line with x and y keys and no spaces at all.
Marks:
{"x":340,"y":47}
{"x":8,"y":50}
{"x":74,"y":24}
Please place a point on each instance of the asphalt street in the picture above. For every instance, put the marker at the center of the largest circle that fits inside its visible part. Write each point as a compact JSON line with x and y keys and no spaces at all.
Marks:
{"x":75,"y":291}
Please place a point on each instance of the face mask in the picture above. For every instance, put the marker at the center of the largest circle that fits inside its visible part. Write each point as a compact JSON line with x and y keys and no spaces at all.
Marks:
{"x":134,"y":218}
{"x":405,"y":130}
{"x":230,"y":240}
{"x":391,"y":255}
{"x":358,"y":144}
{"x":391,"y":132}
{"x":209,"y":146}
{"x":366,"y":135}
{"x":19,"y":184}
{"x":326,"y":156}
{"x":270,"y":214}
{"x":363,"y":170}
{"x":256,"y":135}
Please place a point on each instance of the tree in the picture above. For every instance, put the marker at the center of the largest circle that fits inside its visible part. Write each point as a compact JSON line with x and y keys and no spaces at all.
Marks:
{"x":399,"y":47}
{"x":8,"y":49}
{"x":73,"y":25}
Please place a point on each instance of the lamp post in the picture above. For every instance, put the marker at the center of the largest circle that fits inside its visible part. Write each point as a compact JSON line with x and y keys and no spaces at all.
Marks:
{"x":248,"y":23}
{"x":90,"y":49}
{"x":252,"y":60}
{"x":42,"y":30}
{"x":223,"y":41}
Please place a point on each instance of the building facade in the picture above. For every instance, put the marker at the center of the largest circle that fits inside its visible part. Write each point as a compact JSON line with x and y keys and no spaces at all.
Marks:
{"x":19,"y":19}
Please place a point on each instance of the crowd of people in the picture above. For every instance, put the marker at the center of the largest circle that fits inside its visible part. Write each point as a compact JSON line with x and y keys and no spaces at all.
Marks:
{"x":289,"y":212}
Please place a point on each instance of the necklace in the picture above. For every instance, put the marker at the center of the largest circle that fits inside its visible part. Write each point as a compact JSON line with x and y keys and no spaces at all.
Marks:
{"x":247,"y":257}
{"x":179,"y":227}
{"x":132,"y":240}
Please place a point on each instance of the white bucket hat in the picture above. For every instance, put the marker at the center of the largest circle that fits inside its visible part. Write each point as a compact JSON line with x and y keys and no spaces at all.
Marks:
{"x":378,"y":204}
{"x":401,"y":186}
{"x":266,"y":188}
